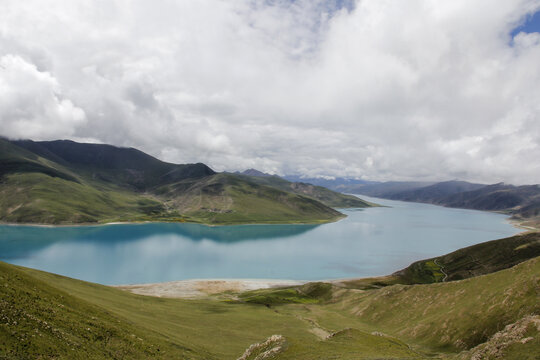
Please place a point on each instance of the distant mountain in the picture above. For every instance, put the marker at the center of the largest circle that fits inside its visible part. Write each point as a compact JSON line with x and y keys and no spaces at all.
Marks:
{"x":336,"y":184}
{"x":386,"y":189}
{"x":523,"y":202}
{"x":520,"y":201}
{"x":434,"y":193}
{"x":68,"y":182}
{"x":319,"y":193}
{"x":253,"y":172}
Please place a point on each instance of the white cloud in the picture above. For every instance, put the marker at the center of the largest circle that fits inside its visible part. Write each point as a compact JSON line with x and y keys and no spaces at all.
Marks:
{"x":384,"y":89}
{"x":32,"y":104}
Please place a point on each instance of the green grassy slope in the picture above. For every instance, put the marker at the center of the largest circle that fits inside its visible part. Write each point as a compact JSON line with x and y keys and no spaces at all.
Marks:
{"x":230,"y":199}
{"x":179,"y":328}
{"x":14,"y":159}
{"x":63,"y":182}
{"x":317,"y":321}
{"x":475,"y":260}
{"x":479,"y":259}
{"x":451,"y":316}
{"x":36,"y":190}
{"x":494,"y":316}
{"x":319,"y":193}
{"x":39,"y":198}
{"x":39,"y":321}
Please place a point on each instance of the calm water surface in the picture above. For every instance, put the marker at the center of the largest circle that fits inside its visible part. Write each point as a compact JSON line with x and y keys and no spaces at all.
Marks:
{"x":370,"y":242}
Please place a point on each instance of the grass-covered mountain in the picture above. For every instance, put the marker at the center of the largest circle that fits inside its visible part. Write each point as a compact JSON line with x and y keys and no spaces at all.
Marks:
{"x":523,"y":202}
{"x":228,"y":198}
{"x":492,"y":316}
{"x":125,"y":167}
{"x":319,"y":193}
{"x":60,"y":182}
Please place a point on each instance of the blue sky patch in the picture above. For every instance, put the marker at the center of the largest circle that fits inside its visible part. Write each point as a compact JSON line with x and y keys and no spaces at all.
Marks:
{"x":530,"y":24}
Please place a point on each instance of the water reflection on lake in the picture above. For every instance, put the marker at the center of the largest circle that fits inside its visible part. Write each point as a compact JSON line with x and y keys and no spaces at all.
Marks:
{"x":375,"y":241}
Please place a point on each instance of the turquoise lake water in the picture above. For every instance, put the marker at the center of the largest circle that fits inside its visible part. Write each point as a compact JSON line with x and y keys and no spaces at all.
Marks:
{"x":369,"y":242}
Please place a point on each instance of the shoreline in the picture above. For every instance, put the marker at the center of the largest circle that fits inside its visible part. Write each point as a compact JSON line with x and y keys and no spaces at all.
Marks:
{"x":513,"y":222}
{"x":321,"y":222}
{"x":201,"y":288}
{"x":519,"y":225}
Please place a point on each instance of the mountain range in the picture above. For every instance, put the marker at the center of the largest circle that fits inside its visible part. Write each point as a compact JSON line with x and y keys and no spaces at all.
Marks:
{"x":334,"y":183}
{"x":63,"y":182}
{"x":522,"y":202}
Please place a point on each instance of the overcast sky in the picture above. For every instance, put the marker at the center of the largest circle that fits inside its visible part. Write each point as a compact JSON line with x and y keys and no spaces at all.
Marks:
{"x":378,"y":89}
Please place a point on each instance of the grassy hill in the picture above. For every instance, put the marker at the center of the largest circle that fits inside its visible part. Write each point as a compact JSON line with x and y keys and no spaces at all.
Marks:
{"x":63,"y":182}
{"x":42,"y":321}
{"x":38,"y":198}
{"x":475,"y":260}
{"x":492,"y":316}
{"x":104,"y":322}
{"x":453,"y":316}
{"x":319,"y":193}
{"x":230,"y":199}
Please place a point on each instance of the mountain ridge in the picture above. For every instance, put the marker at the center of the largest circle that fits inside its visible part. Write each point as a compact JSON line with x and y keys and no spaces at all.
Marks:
{"x":63,"y":182}
{"x":521,"y":202}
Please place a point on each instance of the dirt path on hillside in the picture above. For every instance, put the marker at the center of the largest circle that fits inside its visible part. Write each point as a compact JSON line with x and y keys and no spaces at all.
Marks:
{"x":442,"y":270}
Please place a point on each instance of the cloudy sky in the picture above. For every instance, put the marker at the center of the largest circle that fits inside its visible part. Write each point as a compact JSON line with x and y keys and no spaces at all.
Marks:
{"x":378,"y":89}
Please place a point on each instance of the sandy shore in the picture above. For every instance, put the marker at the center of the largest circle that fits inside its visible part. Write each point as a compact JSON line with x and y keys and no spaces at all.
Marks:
{"x":192,"y":289}
{"x":526,"y":225}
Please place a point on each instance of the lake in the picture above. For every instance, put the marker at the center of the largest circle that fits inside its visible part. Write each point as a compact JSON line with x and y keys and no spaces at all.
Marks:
{"x":369,"y":242}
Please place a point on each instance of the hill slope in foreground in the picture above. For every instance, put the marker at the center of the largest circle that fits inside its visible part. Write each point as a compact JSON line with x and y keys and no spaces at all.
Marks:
{"x":64,"y":182}
{"x":492,"y":316}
